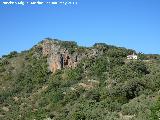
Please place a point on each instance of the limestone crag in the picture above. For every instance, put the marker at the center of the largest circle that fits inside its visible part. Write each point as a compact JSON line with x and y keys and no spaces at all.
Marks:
{"x":58,"y":56}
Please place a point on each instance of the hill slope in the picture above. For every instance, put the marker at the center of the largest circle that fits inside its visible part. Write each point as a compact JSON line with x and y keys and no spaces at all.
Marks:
{"x":63,"y":81}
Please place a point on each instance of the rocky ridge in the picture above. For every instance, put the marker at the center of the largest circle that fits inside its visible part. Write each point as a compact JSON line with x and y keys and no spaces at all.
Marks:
{"x":60,"y":56}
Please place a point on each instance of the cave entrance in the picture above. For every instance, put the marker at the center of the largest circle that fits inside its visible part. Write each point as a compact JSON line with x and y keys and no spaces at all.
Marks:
{"x":61,"y":61}
{"x":66,"y":60}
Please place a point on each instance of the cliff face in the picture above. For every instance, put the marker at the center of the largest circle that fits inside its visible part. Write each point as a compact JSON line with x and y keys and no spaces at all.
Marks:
{"x":59,"y":57}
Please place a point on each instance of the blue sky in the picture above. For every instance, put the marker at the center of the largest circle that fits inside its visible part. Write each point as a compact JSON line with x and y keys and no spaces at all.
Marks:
{"x":132,"y":24}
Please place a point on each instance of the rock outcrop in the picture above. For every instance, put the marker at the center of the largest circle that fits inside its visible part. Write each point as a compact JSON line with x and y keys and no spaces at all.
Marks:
{"x":59,"y":57}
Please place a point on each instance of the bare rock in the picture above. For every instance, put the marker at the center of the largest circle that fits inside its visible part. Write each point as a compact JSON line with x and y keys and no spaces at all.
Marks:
{"x":59,"y":57}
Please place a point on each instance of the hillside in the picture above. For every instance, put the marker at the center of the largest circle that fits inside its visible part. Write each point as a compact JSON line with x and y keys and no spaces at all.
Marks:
{"x":60,"y":80}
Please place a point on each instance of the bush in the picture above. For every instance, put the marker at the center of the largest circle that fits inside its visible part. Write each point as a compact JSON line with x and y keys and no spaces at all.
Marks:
{"x":10,"y":55}
{"x":155,"y":110}
{"x":136,"y":105}
{"x":138,"y":66}
{"x":93,"y":95}
{"x":2,"y":69}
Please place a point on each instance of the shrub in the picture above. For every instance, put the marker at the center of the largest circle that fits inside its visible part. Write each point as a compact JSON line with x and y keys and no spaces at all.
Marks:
{"x":136,"y":105}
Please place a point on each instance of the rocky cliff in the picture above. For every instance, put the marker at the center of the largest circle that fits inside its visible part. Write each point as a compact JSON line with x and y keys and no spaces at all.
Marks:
{"x":59,"y":54}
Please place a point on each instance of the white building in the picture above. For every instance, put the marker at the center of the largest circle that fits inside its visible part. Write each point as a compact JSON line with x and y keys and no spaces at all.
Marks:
{"x":132,"y":57}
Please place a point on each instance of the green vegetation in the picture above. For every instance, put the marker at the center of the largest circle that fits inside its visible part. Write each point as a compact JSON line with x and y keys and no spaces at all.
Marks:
{"x":104,"y":87}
